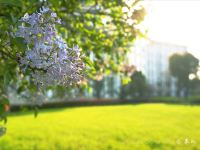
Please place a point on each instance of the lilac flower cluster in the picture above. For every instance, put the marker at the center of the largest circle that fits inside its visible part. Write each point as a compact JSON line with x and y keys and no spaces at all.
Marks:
{"x":52,"y":62}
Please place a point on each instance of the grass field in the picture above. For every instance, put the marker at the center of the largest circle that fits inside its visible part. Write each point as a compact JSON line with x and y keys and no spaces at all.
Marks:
{"x":125,"y":127}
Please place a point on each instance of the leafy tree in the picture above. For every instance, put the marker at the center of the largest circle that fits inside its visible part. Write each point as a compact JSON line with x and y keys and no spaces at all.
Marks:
{"x":195,"y":86}
{"x":181,"y":66}
{"x":101,"y":28}
{"x":137,"y":86}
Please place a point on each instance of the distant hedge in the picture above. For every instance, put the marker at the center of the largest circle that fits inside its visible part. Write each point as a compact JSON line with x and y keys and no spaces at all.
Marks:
{"x":185,"y":100}
{"x":94,"y":102}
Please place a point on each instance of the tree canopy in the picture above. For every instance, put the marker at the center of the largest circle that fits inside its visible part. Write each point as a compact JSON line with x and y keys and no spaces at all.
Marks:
{"x":102,"y":29}
{"x":181,"y":66}
{"x":137,"y":86}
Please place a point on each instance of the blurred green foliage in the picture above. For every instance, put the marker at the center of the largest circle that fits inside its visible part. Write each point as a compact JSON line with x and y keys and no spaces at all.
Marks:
{"x":137,"y":87}
{"x":100,"y":28}
{"x":181,"y":66}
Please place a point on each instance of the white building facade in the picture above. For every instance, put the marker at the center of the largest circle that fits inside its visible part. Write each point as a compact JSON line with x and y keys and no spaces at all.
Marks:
{"x":152,"y":58}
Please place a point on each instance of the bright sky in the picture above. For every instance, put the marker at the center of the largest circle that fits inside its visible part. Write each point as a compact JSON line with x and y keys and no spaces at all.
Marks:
{"x":175,"y":21}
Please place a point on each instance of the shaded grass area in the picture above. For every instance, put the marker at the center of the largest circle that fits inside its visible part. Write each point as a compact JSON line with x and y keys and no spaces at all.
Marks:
{"x":126,"y":127}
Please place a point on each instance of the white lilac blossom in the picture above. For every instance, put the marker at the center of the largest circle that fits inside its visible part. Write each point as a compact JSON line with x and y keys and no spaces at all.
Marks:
{"x":47,"y":55}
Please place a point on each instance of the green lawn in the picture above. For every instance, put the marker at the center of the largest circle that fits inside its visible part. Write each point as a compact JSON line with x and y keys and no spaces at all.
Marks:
{"x":125,"y":127}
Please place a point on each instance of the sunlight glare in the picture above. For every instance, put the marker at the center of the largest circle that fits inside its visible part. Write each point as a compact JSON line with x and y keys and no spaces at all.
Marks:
{"x":176,"y":22}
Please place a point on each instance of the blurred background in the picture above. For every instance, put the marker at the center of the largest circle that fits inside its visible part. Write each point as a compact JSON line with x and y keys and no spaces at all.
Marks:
{"x":142,"y":59}
{"x":161,"y":62}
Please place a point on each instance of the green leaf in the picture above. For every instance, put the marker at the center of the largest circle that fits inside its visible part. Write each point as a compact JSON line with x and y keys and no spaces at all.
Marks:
{"x":1,"y":110}
{"x":21,"y":89}
{"x":125,"y":80}
{"x":11,"y":2}
{"x":35,"y":112}
{"x":55,"y":3}
{"x":4,"y":118}
{"x":19,"y":42}
{"x":89,"y":90}
{"x":3,"y":102}
{"x":2,"y":131}
{"x":88,"y":61}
